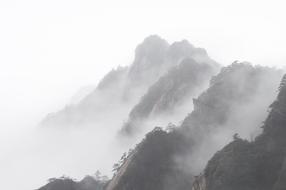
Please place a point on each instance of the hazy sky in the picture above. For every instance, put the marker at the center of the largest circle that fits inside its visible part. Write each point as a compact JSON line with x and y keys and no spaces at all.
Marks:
{"x":50,"y":49}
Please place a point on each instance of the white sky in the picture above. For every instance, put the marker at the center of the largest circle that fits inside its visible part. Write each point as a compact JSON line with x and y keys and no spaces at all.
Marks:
{"x":50,"y":49}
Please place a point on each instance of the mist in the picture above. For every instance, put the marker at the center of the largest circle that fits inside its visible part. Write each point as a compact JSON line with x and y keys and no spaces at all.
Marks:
{"x":255,"y":89}
{"x":54,"y":54}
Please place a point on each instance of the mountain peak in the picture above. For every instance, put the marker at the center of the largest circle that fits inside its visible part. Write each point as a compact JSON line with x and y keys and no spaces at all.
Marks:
{"x":149,"y":54}
{"x":151,"y":45}
{"x":153,"y":39}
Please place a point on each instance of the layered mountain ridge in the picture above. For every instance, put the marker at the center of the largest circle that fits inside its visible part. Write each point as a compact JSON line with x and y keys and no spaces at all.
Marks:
{"x":123,"y":87}
{"x":170,"y":94}
{"x":182,"y":153}
{"x":219,"y":145}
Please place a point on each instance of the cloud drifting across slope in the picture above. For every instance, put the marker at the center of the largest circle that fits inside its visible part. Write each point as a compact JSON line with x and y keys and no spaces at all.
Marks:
{"x":81,"y":138}
{"x":50,"y":49}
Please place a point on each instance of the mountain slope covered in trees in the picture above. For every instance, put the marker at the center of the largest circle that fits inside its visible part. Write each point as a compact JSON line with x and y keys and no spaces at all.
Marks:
{"x":171,"y":159}
{"x":256,"y":165}
{"x":169,"y":81}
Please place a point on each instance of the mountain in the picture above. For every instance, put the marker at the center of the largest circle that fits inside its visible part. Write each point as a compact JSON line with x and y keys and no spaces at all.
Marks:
{"x":150,"y":166}
{"x":122,"y":88}
{"x":258,"y":164}
{"x":155,"y":56}
{"x":65,"y":183}
{"x":165,"y":83}
{"x":171,"y":95}
{"x":179,"y":71}
{"x":171,"y":159}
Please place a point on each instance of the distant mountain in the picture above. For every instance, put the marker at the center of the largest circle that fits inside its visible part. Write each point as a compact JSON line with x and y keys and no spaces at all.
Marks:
{"x":155,"y":56}
{"x":65,"y":183}
{"x":171,"y":159}
{"x":123,"y":87}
